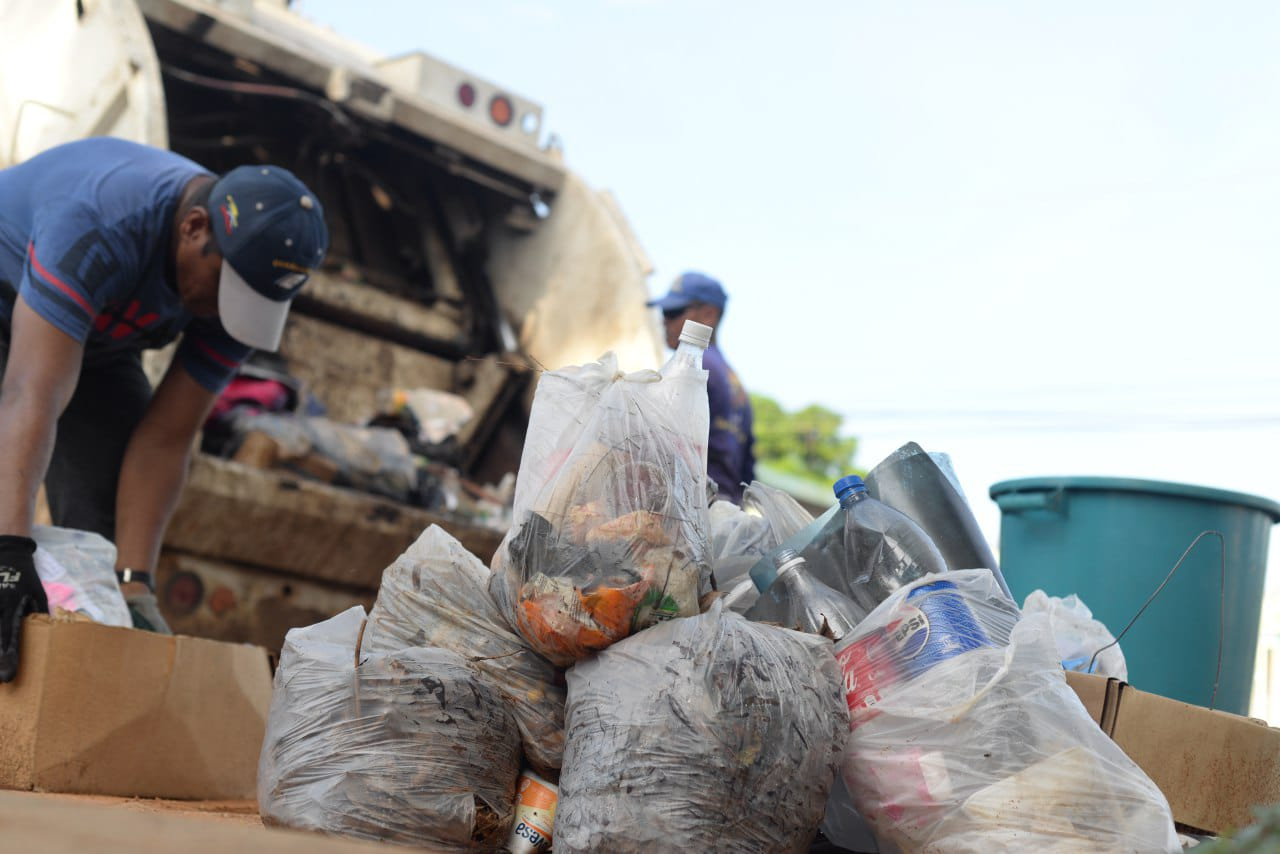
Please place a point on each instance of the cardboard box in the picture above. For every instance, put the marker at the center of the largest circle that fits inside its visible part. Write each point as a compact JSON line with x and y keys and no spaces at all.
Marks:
{"x":1214,"y":767}
{"x":111,"y":711}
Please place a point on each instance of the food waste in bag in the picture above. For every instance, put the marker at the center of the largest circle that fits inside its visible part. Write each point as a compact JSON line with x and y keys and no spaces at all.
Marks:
{"x":611,"y":521}
{"x":436,"y":595}
{"x":704,"y":734}
{"x":965,"y":736}
{"x":410,"y":746}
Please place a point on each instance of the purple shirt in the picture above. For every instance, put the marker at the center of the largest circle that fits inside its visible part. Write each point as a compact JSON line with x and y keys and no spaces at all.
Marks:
{"x":731,"y":460}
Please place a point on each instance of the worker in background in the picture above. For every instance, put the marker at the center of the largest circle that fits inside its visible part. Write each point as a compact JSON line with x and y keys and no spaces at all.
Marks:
{"x":730,"y":448}
{"x":108,"y":248}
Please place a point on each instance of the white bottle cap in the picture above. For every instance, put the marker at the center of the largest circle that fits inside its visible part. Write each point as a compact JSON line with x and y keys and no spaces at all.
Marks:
{"x":696,"y":333}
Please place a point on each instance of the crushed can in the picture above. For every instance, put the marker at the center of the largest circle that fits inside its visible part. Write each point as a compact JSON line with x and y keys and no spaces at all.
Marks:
{"x":535,"y":815}
{"x":935,"y":625}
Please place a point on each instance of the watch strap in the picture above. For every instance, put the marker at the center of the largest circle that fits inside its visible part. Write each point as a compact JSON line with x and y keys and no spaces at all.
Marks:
{"x":127,"y":576}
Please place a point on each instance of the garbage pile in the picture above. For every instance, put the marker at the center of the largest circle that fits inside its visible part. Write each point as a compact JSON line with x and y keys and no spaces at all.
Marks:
{"x":407,"y":450}
{"x":601,"y":654}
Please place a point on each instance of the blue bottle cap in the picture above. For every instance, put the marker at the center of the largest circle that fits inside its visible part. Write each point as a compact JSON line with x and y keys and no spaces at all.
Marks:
{"x":848,"y":482}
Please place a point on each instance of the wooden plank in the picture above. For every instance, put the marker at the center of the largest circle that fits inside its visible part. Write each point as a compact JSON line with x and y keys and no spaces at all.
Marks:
{"x":225,"y":601}
{"x":272,"y":520}
{"x":347,"y":370}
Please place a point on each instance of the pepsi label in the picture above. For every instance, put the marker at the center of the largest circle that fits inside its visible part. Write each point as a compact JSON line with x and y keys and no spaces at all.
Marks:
{"x":935,"y":625}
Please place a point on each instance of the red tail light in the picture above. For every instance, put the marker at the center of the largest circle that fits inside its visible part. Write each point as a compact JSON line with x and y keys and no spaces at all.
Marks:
{"x":501,"y":111}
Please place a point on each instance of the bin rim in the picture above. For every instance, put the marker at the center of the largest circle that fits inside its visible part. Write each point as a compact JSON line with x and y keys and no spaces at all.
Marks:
{"x":1129,"y":484}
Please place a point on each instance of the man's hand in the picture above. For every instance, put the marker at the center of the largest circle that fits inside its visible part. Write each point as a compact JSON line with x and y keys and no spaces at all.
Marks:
{"x":144,"y":609}
{"x":20,"y":594}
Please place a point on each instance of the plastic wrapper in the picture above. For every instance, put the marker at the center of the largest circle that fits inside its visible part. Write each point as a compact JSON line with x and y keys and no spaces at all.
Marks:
{"x":1078,"y":635}
{"x":435,"y":594}
{"x":77,"y":571}
{"x":966,"y":737}
{"x":611,"y":525}
{"x":705,"y":734}
{"x":740,"y":536}
{"x":371,"y":459}
{"x":436,"y":414}
{"x":411,"y":746}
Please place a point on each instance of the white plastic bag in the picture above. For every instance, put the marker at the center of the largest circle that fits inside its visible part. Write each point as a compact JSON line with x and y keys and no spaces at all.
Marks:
{"x":411,"y":746}
{"x":611,"y":528}
{"x":704,"y":734}
{"x":436,"y":594}
{"x":77,"y":570}
{"x":741,"y":536}
{"x":966,"y":737}
{"x":1078,"y":635}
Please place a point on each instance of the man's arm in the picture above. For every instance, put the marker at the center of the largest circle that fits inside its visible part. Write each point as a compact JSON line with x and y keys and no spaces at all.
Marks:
{"x":39,"y":379}
{"x":155,"y":466}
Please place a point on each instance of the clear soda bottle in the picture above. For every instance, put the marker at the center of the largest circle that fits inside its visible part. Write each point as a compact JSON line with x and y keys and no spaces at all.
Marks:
{"x":686,"y":380}
{"x":879,"y":549}
{"x":797,"y":600}
{"x":695,"y":337}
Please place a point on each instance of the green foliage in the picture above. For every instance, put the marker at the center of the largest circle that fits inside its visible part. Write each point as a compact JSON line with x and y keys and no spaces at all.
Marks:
{"x":1262,"y":837}
{"x":806,"y":443}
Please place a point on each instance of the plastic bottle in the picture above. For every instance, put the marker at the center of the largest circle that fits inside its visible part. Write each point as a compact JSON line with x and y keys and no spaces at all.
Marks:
{"x":764,"y":571}
{"x":687,"y":381}
{"x":861,"y":548}
{"x":797,"y":600}
{"x":695,"y":337}
{"x":880,"y":549}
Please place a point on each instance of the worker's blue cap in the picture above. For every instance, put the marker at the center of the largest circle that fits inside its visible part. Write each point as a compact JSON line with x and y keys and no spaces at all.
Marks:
{"x":271,"y":232}
{"x":690,"y":288}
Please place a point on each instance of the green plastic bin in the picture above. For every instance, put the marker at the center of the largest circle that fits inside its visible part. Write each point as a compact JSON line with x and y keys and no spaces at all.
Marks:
{"x":1113,"y":540}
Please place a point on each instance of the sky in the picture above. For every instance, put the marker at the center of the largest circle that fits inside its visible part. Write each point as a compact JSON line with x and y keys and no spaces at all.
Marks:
{"x":1041,"y":237}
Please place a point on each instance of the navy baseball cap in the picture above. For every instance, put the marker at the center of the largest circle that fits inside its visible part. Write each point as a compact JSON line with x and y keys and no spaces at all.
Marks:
{"x":689,"y":288}
{"x":270,"y":230}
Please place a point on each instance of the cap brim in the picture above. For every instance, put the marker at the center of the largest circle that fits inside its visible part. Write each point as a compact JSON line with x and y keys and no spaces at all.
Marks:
{"x":670,"y":302}
{"x":247,"y":315}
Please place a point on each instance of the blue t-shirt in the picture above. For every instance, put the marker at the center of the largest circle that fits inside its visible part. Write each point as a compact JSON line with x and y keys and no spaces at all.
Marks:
{"x":731,"y":459}
{"x":85,"y":234}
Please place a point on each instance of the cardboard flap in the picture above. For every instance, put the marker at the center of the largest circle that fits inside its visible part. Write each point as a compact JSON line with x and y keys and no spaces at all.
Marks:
{"x":1213,"y":766}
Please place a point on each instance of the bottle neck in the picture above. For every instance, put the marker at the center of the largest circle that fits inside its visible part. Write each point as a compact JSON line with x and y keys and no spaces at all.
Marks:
{"x":852,"y":496}
{"x":687,"y":356}
{"x":791,"y":567}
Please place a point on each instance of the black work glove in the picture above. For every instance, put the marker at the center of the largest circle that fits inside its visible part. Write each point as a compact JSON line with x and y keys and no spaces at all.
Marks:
{"x":20,"y":594}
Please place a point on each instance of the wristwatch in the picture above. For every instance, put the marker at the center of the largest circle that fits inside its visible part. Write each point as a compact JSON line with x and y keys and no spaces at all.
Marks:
{"x":126,"y":575}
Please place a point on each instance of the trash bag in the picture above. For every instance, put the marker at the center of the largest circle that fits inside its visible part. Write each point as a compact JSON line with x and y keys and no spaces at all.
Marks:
{"x":1078,"y":635}
{"x":965,"y":736}
{"x":376,"y":460}
{"x":435,"y":594}
{"x":611,"y":528}
{"x":740,"y":536}
{"x":411,"y":746}
{"x":77,"y":570}
{"x":702,"y":734}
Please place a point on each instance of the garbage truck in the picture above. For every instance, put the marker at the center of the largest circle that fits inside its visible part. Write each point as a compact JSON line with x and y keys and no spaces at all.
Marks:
{"x":465,"y":256}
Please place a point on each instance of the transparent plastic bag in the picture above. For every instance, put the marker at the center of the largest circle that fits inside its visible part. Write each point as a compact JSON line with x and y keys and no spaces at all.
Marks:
{"x":435,"y":594}
{"x":412,"y":746}
{"x":77,"y":570}
{"x":741,"y":536}
{"x":611,"y":528}
{"x":966,"y":737}
{"x":1078,"y":635}
{"x":372,"y":459}
{"x":702,"y":734}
